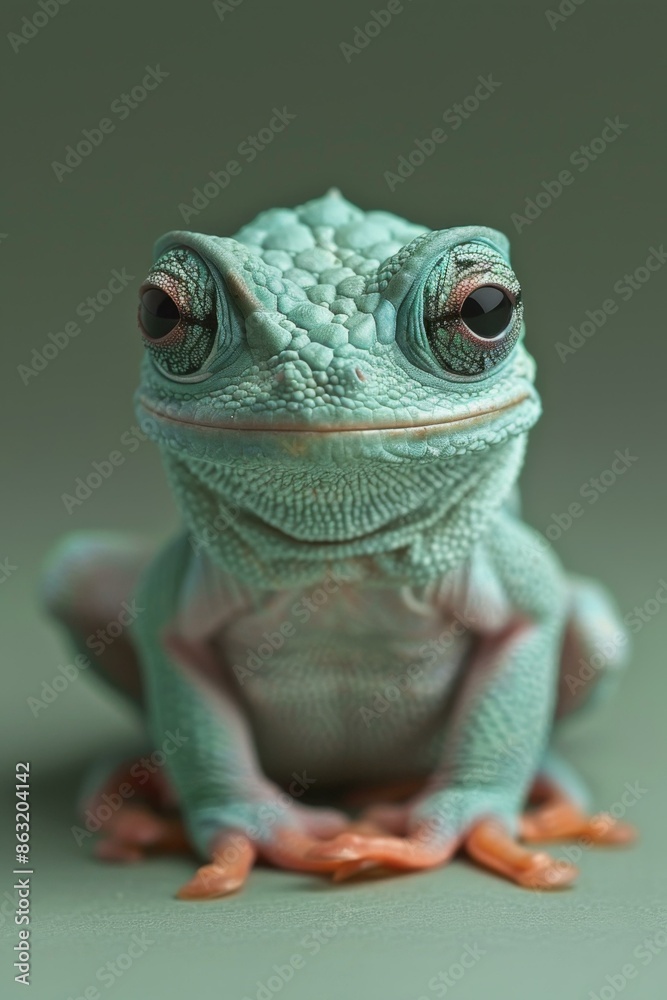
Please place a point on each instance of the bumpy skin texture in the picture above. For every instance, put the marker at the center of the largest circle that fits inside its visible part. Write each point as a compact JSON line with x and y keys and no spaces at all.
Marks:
{"x":355,"y":596}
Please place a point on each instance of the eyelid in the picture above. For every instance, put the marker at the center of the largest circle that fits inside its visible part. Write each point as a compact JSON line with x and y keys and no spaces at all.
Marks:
{"x":171,"y":286}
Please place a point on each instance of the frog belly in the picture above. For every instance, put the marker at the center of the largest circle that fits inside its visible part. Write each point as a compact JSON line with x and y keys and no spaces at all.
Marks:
{"x":351,"y":697}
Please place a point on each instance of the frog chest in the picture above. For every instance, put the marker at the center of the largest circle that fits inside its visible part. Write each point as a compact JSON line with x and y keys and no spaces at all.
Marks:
{"x":313,"y":670}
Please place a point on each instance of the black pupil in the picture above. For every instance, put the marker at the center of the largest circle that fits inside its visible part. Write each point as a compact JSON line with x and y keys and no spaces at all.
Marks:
{"x":487,"y":311}
{"x":159,"y":313}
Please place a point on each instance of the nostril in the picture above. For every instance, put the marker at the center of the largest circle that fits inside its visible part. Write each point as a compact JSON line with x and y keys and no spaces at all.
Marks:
{"x":360,"y":375}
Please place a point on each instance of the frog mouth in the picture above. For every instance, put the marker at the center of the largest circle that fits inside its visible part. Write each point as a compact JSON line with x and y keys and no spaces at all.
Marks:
{"x":460,"y":420}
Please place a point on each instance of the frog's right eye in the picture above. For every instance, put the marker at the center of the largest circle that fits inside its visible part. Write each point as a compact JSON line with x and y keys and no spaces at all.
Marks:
{"x":177,"y":314}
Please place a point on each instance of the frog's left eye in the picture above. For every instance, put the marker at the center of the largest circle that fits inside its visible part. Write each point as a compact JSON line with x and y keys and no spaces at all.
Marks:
{"x":177,"y":314}
{"x":472,"y":311}
{"x":158,"y":313}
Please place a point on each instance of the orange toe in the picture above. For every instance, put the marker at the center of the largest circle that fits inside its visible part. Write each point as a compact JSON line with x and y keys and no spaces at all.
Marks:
{"x":233,"y":859}
{"x":293,"y":849}
{"x":492,"y":847}
{"x":413,"y":852}
{"x":565,"y":821}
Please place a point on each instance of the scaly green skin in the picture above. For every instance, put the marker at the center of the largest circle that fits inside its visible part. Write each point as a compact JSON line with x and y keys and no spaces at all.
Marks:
{"x":317,"y":444}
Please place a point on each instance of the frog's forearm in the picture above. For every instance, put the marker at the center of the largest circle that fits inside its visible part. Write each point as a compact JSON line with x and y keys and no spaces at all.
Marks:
{"x":500,"y":728}
{"x":214,"y":769}
{"x":502,"y":719}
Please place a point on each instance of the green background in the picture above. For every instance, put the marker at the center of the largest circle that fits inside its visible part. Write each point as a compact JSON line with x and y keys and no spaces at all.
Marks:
{"x":353,"y":121}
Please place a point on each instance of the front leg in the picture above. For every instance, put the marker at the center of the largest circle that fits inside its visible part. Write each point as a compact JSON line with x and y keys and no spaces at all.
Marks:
{"x":491,"y":755}
{"x":498,"y":732}
{"x":231,"y":811}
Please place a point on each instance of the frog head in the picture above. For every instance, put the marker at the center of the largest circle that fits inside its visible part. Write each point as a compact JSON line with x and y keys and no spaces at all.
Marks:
{"x":341,"y":383}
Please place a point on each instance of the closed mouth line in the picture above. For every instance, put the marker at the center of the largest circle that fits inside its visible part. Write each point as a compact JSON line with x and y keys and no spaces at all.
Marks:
{"x":331,"y":430}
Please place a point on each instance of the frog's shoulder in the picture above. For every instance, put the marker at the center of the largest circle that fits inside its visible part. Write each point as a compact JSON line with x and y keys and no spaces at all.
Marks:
{"x":209,"y":597}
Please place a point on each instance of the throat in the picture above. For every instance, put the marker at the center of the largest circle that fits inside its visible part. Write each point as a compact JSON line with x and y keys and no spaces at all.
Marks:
{"x":382,"y":522}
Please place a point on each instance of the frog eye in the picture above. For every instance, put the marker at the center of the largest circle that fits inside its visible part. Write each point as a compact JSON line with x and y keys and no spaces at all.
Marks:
{"x":177,"y":314}
{"x":472,"y":312}
{"x":158,"y":313}
{"x":487,"y":311}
